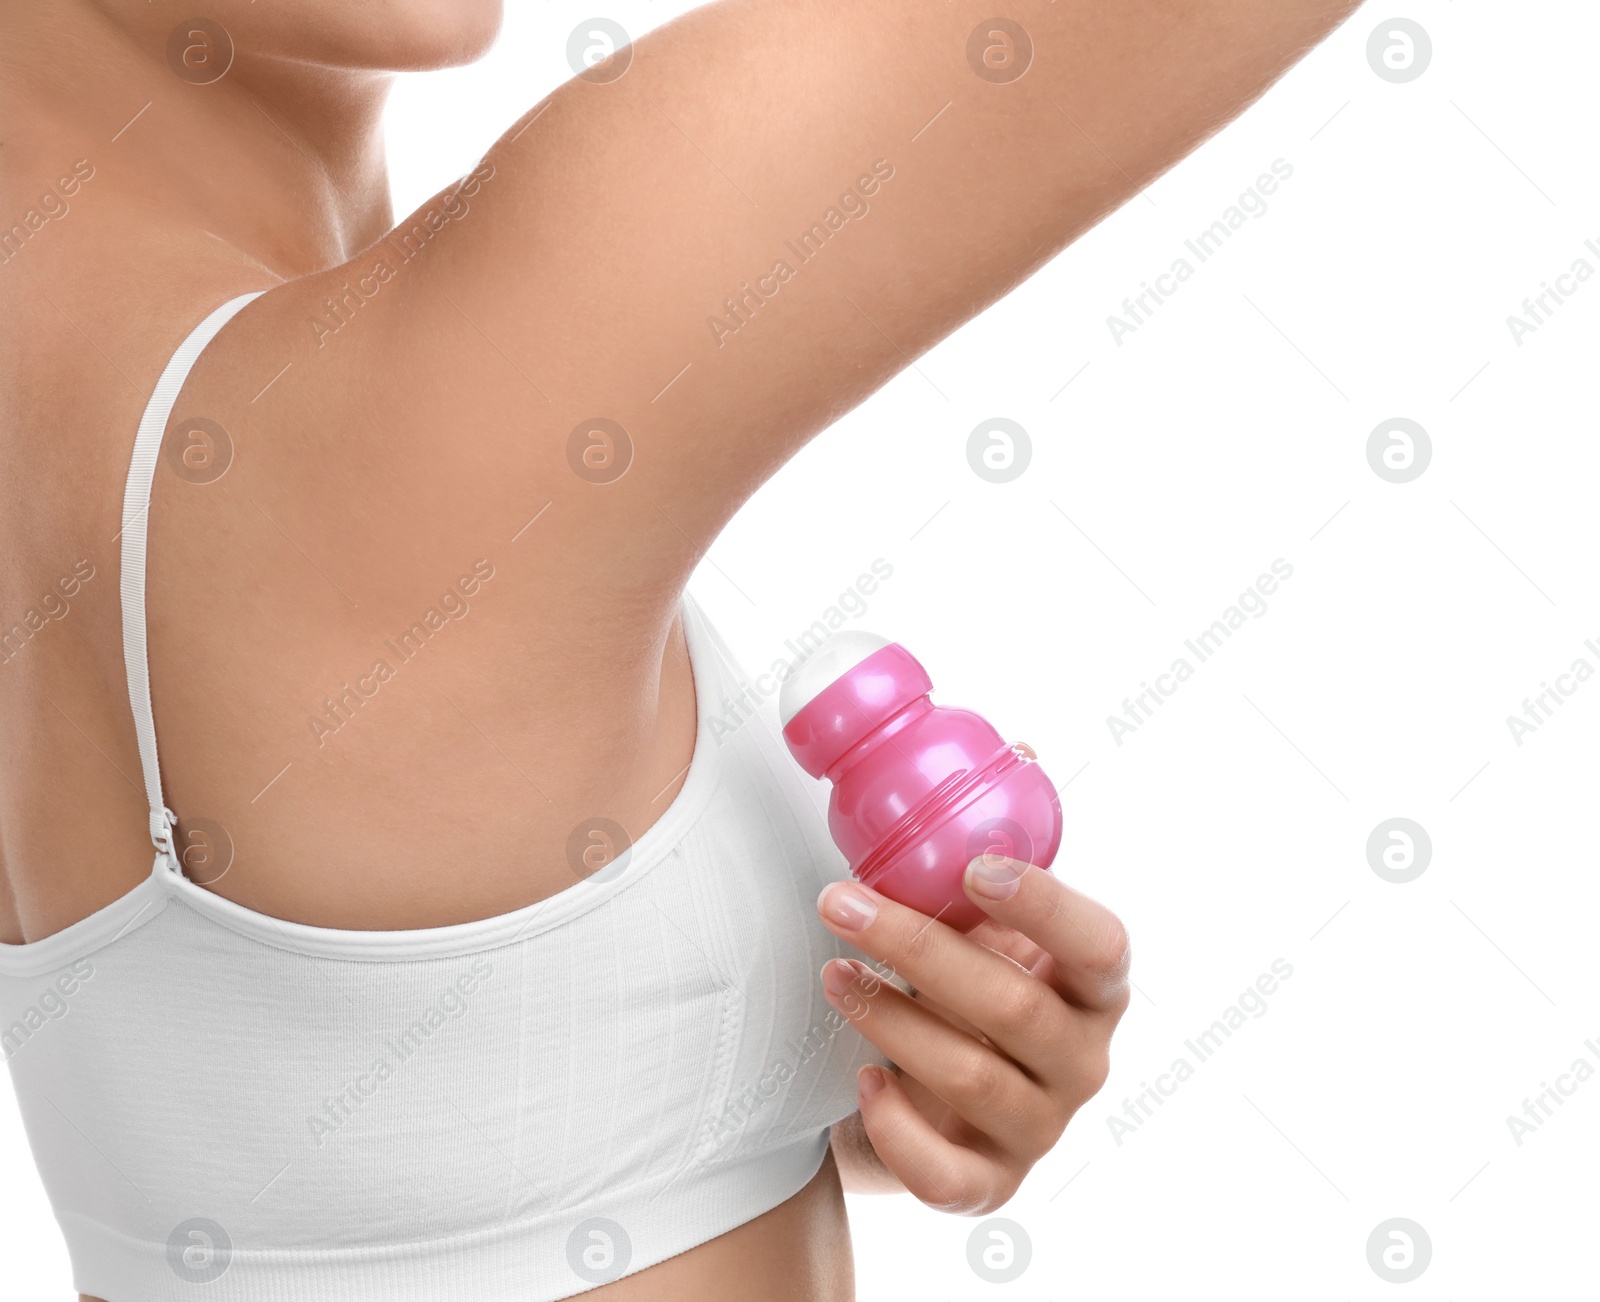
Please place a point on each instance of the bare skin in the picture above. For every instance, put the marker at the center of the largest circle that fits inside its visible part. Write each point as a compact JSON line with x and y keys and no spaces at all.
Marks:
{"x":383,"y":450}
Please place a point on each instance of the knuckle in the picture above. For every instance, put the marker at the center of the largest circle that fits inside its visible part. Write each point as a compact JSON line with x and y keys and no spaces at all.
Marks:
{"x":1093,"y":1069}
{"x":972,"y":1076}
{"x":1112,"y":948}
{"x":1023,"y":1008}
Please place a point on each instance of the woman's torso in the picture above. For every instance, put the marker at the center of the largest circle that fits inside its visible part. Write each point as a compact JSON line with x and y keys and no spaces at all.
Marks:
{"x":270,"y":596}
{"x":451,"y":793}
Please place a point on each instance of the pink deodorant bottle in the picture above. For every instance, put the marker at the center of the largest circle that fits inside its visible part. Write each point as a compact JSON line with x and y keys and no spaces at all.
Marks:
{"x":919,"y":790}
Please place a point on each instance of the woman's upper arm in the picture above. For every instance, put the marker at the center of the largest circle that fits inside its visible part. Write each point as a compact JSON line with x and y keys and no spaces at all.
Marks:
{"x":776,"y":207}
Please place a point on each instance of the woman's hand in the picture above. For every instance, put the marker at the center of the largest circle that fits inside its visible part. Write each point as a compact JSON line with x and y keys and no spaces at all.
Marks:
{"x":1007,"y":1035}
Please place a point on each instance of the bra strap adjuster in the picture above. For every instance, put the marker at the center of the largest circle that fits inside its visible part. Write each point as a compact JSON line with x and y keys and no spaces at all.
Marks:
{"x":162,"y":826}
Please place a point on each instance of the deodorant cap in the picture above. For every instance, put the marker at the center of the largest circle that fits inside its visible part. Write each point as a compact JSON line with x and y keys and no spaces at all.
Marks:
{"x":826,"y":665}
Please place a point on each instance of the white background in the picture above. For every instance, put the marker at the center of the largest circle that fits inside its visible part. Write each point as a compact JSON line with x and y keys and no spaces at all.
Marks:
{"x":1230,"y":830}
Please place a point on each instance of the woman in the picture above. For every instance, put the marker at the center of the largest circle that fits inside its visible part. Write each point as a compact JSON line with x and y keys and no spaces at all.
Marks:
{"x":469,"y":965}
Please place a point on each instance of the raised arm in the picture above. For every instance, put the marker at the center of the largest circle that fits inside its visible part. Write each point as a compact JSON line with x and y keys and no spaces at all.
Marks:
{"x":727,"y":237}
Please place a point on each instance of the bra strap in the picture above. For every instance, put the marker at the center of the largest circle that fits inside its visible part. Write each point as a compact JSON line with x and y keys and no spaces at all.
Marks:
{"x":135,"y":529}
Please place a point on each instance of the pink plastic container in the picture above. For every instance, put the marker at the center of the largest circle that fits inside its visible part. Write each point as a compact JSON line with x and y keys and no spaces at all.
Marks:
{"x":919,"y":790}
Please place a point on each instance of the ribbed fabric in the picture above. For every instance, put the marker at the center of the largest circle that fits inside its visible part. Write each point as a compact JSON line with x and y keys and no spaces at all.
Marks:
{"x":228,"y":1105}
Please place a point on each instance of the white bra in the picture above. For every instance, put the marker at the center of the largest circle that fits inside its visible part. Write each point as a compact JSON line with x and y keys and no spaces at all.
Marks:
{"x":512,"y":1110}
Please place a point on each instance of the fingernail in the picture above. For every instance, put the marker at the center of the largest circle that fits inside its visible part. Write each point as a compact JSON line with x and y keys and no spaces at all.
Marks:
{"x":837,"y":977}
{"x":994,"y":878}
{"x":870,"y":1081}
{"x":846,"y":905}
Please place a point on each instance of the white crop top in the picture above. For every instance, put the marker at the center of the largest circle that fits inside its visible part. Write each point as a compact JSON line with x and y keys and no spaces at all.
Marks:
{"x":512,"y":1110}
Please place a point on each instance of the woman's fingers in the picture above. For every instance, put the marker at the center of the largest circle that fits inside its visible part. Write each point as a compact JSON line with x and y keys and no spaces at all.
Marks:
{"x":942,"y":1174}
{"x":996,"y":1056}
{"x":1023,"y":1016}
{"x":987,"y":1091}
{"x":1086,"y":940}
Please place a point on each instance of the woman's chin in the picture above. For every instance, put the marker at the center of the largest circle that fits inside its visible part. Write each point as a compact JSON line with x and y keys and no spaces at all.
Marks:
{"x":428,"y":34}
{"x":389,"y":36}
{"x":422,"y":35}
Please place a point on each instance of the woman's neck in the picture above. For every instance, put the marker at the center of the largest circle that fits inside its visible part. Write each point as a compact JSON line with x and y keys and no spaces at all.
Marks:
{"x":280,"y":161}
